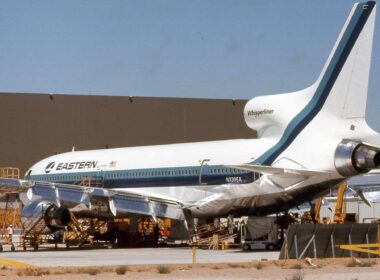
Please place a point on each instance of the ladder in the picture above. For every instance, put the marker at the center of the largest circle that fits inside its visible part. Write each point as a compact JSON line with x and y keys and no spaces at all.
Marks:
{"x":211,"y":235}
{"x":33,"y":236}
{"x":91,"y":181}
{"x":10,"y":172}
{"x":80,"y":232}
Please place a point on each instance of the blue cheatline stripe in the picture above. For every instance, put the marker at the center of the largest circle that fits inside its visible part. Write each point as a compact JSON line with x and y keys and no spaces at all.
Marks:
{"x":157,"y":177}
{"x":303,"y":118}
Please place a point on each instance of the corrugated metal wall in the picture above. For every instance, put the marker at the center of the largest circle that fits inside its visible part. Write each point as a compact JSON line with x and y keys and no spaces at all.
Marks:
{"x":34,"y":126}
{"x":363,"y":211}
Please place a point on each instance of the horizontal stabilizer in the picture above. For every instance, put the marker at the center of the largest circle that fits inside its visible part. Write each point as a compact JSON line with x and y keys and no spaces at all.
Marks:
{"x":373,"y":172}
{"x":270,"y":170}
{"x":363,"y":198}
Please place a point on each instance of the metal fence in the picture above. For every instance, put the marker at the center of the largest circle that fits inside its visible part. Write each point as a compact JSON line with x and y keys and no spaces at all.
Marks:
{"x":320,"y":241}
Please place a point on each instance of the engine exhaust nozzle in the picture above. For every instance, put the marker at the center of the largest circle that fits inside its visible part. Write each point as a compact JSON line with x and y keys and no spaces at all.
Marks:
{"x":366,"y":159}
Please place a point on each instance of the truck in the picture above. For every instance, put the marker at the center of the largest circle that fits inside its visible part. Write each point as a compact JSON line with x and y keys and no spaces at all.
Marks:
{"x":259,"y":233}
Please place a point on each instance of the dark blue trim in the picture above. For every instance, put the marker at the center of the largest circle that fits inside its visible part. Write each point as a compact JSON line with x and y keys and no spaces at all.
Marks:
{"x":303,"y":118}
{"x":157,"y":177}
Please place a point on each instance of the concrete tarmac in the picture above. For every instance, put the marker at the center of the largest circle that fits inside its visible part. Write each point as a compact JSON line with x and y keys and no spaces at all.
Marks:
{"x":140,"y":256}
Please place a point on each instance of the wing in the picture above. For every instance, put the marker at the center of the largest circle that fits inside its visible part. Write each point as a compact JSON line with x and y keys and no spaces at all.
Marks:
{"x":94,"y":201}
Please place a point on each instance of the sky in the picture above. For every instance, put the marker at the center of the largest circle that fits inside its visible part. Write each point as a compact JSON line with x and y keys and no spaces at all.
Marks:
{"x":172,"y":48}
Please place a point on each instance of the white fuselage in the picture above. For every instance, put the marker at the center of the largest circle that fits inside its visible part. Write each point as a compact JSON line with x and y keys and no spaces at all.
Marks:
{"x":194,"y":173}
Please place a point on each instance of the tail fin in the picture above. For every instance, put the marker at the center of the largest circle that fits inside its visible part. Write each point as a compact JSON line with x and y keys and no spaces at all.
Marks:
{"x":341,"y":88}
{"x":344,"y":78}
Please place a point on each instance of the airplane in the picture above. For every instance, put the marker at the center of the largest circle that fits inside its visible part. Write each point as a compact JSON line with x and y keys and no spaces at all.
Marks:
{"x":309,"y":141}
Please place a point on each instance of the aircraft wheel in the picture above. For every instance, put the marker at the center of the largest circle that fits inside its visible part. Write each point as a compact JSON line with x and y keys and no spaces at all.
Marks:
{"x":270,"y":247}
{"x":246,"y":247}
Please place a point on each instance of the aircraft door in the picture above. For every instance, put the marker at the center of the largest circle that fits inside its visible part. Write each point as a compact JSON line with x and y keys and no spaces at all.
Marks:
{"x":204,"y":170}
{"x":100,"y":175}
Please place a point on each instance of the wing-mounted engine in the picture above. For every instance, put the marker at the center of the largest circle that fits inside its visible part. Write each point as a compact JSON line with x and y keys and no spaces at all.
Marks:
{"x":44,"y":217}
{"x":354,"y":157}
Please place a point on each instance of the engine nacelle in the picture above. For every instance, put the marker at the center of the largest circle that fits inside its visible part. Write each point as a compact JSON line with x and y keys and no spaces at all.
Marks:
{"x":54,"y":217}
{"x":270,"y":115}
{"x":354,"y":157}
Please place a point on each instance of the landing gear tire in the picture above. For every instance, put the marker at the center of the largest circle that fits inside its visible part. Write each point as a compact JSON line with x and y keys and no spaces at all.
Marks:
{"x":246,"y":247}
{"x":270,"y":247}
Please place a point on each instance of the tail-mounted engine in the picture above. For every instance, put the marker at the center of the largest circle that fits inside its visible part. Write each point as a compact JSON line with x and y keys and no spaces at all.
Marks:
{"x":44,"y":215}
{"x":353,"y":157}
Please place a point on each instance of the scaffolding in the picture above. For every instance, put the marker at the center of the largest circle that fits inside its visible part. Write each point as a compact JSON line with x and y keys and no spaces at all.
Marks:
{"x":33,"y":232}
{"x":10,"y":209}
{"x":10,"y":172}
{"x":213,"y":235}
{"x":91,"y":181}
{"x":81,"y":231}
{"x":10,"y":218}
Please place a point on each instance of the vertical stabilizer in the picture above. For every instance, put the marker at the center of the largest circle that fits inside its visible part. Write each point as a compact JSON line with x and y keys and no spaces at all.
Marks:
{"x":344,"y":78}
{"x":341,"y":88}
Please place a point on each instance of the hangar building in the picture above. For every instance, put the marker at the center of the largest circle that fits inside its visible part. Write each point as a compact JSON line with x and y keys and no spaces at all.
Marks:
{"x":35,"y":126}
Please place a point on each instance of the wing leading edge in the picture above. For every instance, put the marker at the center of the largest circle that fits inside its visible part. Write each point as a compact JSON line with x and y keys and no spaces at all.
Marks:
{"x":95,"y":201}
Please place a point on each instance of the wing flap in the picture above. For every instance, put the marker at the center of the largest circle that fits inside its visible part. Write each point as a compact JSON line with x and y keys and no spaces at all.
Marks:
{"x":121,"y":204}
{"x":171,"y":211}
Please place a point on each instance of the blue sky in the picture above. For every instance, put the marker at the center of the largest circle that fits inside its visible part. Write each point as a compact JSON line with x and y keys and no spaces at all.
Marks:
{"x":175,"y":48}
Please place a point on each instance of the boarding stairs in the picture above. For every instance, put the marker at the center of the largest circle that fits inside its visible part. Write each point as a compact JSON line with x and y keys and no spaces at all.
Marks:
{"x":80,"y":232}
{"x":34,"y":234}
{"x":212,"y":236}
